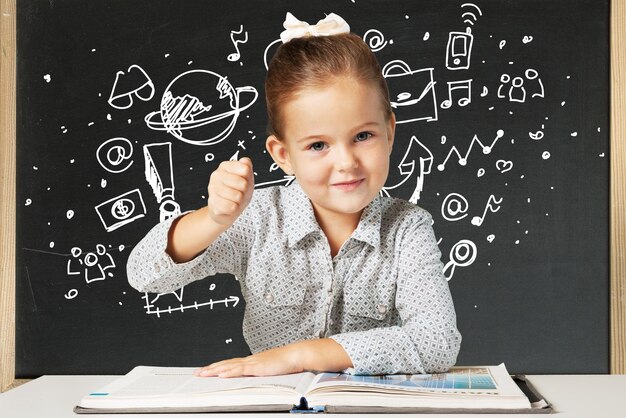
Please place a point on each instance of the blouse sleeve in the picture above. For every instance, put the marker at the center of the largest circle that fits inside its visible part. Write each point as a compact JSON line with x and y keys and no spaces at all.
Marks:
{"x":428,"y":340}
{"x":151,"y":269}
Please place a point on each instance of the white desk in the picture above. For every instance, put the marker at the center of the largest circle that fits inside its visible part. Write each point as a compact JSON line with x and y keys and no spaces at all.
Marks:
{"x":590,"y":396}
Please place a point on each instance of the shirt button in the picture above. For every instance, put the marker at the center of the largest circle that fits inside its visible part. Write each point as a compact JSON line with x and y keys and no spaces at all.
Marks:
{"x":382,"y":309}
{"x":269,"y":298}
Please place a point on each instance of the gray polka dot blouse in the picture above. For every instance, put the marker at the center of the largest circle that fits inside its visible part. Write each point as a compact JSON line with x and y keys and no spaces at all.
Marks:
{"x":383,"y":297}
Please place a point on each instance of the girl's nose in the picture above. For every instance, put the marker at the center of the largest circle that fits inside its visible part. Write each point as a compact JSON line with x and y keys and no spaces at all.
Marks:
{"x":346,"y":159}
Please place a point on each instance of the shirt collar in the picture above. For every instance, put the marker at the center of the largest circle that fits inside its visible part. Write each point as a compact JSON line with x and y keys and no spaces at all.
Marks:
{"x":300,"y":219}
{"x":368,"y":229}
{"x":298,"y":214}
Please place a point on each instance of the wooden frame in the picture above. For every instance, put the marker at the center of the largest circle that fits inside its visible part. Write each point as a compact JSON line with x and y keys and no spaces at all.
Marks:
{"x":7,"y":191}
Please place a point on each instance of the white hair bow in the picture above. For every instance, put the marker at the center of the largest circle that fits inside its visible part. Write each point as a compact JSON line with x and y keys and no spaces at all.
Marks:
{"x":330,"y":25}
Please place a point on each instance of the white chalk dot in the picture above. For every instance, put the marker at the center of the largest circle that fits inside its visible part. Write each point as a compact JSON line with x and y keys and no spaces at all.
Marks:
{"x":93,"y":50}
{"x":167,"y":55}
{"x":574,"y":134}
{"x":121,"y":248}
{"x":69,"y":214}
{"x":108,"y":116}
{"x":51,"y":244}
{"x":90,"y":124}
{"x":426,"y":36}
{"x":517,"y":242}
{"x":190,"y":62}
{"x":35,"y":167}
{"x":129,"y":121}
{"x":72,"y":161}
{"x":563,"y":103}
{"x":47,"y":77}
{"x":545,"y":155}
{"x":598,"y":129}
{"x":568,"y":77}
{"x":28,"y":202}
{"x":120,"y":303}
{"x":406,"y":16}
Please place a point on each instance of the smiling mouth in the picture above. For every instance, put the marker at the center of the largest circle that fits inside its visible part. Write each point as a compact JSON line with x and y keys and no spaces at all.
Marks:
{"x":350,"y":185}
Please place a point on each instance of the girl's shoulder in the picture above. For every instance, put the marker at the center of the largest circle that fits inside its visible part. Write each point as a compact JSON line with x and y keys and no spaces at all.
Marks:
{"x":403,"y":213}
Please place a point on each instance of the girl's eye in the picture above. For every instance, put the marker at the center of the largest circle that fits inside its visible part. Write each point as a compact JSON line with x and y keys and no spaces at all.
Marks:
{"x":362,"y":136}
{"x":317,"y":146}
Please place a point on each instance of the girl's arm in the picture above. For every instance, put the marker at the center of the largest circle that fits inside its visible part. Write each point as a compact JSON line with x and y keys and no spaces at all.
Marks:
{"x":323,"y":355}
{"x":166,"y":259}
{"x":230,"y":190}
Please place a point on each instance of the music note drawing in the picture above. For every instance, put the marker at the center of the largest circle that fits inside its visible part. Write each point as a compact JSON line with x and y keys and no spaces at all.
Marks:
{"x":462,"y":86}
{"x":236,"y":41}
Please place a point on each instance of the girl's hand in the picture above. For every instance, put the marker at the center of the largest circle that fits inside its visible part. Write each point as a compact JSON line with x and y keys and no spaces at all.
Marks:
{"x":230,"y":190}
{"x":323,"y":354}
{"x":282,"y":360}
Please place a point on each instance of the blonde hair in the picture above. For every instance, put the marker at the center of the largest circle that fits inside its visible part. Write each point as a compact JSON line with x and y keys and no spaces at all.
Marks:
{"x":313,"y":62}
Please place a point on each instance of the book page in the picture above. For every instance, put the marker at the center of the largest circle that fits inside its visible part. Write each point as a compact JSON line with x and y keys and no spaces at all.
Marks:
{"x":172,"y":381}
{"x":461,"y":387}
{"x":458,"y":380}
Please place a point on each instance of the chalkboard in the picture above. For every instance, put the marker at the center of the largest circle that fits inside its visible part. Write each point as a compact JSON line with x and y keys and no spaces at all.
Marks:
{"x":503,"y":136}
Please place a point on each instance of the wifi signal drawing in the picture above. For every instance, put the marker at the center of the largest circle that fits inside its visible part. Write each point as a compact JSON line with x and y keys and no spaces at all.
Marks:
{"x":469,"y":17}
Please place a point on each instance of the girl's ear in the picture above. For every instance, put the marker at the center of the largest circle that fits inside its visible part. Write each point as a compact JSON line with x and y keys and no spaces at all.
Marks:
{"x":279,"y":153}
{"x":391,"y":130}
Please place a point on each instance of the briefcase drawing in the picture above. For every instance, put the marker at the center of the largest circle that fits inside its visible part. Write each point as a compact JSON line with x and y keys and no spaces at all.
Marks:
{"x":411,"y":92}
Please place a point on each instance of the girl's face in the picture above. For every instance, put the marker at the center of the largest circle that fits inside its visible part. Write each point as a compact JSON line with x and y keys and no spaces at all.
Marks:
{"x":337,"y":143}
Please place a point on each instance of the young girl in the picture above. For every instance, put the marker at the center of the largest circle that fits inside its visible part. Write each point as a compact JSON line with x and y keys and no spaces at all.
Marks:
{"x":335,"y":277}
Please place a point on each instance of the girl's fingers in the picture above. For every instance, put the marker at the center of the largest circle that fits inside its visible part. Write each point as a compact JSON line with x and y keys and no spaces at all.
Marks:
{"x":219,"y":367}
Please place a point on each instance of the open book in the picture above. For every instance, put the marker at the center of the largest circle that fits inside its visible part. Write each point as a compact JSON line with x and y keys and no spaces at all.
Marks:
{"x":170,"y":389}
